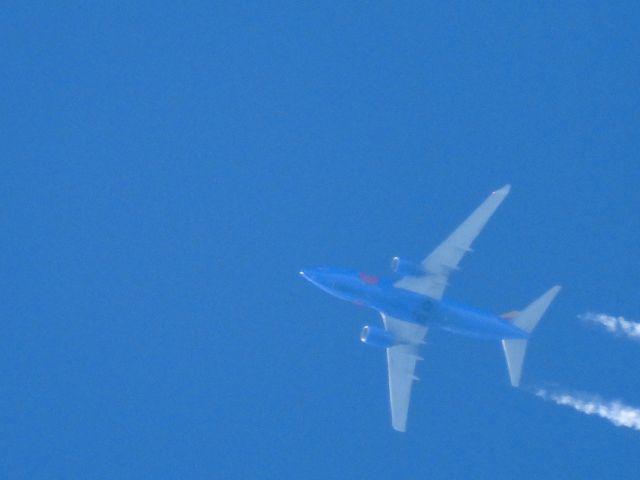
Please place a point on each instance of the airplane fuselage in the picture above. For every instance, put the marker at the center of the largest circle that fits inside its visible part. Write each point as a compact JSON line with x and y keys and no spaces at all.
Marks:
{"x":411,"y":304}
{"x":381,"y":295}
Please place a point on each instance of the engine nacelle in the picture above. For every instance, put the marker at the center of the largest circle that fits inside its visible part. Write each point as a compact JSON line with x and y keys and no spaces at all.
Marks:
{"x":401,"y":266}
{"x":377,"y":337}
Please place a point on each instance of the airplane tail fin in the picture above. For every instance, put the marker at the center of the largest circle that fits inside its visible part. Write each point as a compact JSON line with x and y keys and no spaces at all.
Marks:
{"x":515,"y":349}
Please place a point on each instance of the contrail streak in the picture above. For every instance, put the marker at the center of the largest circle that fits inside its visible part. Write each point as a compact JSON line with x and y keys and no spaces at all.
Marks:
{"x":615,"y":411}
{"x":618,"y":325}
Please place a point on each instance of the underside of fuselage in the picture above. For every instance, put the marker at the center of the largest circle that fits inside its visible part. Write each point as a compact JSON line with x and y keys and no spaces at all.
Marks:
{"x":464,"y":320}
{"x":383,"y":296}
{"x":446,"y":315}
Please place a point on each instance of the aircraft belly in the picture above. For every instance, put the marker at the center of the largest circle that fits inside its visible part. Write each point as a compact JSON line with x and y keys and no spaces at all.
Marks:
{"x":476,"y":324}
{"x":444,"y":315}
{"x":409,"y":308}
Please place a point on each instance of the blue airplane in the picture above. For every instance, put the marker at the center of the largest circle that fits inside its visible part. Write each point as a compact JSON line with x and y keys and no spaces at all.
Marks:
{"x":413,"y":304}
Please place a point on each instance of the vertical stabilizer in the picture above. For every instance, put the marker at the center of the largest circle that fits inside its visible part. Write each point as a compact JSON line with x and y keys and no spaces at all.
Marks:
{"x":515,"y":349}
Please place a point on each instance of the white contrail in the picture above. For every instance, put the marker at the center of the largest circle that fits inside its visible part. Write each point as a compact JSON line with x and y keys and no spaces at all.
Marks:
{"x":615,"y":411}
{"x":614,"y":324}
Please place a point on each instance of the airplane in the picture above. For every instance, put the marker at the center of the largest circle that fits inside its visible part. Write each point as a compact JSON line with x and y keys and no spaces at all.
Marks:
{"x":413,"y":303}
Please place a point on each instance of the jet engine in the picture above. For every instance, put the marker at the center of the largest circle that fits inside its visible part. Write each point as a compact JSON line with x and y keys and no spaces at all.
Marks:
{"x":377,"y":337}
{"x":405,"y":267}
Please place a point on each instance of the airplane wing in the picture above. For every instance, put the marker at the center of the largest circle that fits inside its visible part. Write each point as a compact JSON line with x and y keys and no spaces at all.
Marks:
{"x":401,"y":363}
{"x":445,"y":258}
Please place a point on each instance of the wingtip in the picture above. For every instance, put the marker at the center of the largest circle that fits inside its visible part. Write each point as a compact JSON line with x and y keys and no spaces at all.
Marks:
{"x":504,"y":190}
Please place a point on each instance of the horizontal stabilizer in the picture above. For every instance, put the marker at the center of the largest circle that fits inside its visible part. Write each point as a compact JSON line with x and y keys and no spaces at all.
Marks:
{"x":531,"y":315}
{"x":515,"y":349}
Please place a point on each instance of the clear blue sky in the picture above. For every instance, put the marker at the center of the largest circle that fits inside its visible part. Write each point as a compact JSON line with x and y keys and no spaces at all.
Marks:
{"x":167,"y":170}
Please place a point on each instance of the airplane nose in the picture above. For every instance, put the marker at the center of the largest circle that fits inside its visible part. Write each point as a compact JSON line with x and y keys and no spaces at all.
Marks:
{"x":309,"y":274}
{"x":306,"y":273}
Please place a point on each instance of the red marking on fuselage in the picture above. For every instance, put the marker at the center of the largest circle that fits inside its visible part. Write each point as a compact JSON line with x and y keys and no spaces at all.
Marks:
{"x":369,"y":279}
{"x":510,"y":315}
